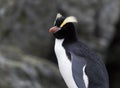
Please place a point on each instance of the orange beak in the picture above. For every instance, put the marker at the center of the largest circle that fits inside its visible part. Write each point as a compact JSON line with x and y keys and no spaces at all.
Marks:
{"x":54,"y":29}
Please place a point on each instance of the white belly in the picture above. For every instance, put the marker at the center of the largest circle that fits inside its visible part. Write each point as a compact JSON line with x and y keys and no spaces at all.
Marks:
{"x":64,"y":63}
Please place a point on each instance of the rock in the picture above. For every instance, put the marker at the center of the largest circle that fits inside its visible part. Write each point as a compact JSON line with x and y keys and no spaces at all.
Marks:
{"x":18,"y":70}
{"x":25,"y":23}
{"x":113,"y":57}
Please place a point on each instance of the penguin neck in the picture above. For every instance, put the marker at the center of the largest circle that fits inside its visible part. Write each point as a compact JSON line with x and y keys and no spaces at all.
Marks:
{"x":70,"y":39}
{"x":69,"y":33}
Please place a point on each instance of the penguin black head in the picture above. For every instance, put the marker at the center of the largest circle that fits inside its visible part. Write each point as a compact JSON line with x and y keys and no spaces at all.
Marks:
{"x":64,"y":27}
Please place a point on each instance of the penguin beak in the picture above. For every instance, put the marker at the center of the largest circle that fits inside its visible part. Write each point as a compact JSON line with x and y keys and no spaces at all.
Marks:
{"x":54,"y":29}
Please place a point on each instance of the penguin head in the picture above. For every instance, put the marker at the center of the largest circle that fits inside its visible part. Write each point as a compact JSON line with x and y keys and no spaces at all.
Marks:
{"x":64,"y":27}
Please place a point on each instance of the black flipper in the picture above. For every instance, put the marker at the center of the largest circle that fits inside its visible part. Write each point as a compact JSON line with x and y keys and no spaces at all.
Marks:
{"x":78,"y":64}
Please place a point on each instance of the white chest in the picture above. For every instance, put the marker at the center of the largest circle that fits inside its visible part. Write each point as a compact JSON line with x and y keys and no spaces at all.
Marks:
{"x":64,"y":63}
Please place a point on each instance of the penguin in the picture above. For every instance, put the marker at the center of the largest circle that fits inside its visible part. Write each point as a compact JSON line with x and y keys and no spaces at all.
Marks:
{"x":79,"y":65}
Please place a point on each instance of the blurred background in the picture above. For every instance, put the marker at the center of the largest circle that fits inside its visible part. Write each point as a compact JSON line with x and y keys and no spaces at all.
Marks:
{"x":27,"y":59}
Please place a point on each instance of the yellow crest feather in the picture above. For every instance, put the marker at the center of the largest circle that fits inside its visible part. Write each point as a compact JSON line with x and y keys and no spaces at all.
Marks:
{"x":57,"y":16}
{"x":68,"y":20}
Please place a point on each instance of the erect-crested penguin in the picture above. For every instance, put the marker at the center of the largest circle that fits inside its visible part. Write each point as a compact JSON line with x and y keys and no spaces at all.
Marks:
{"x":79,"y":65}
